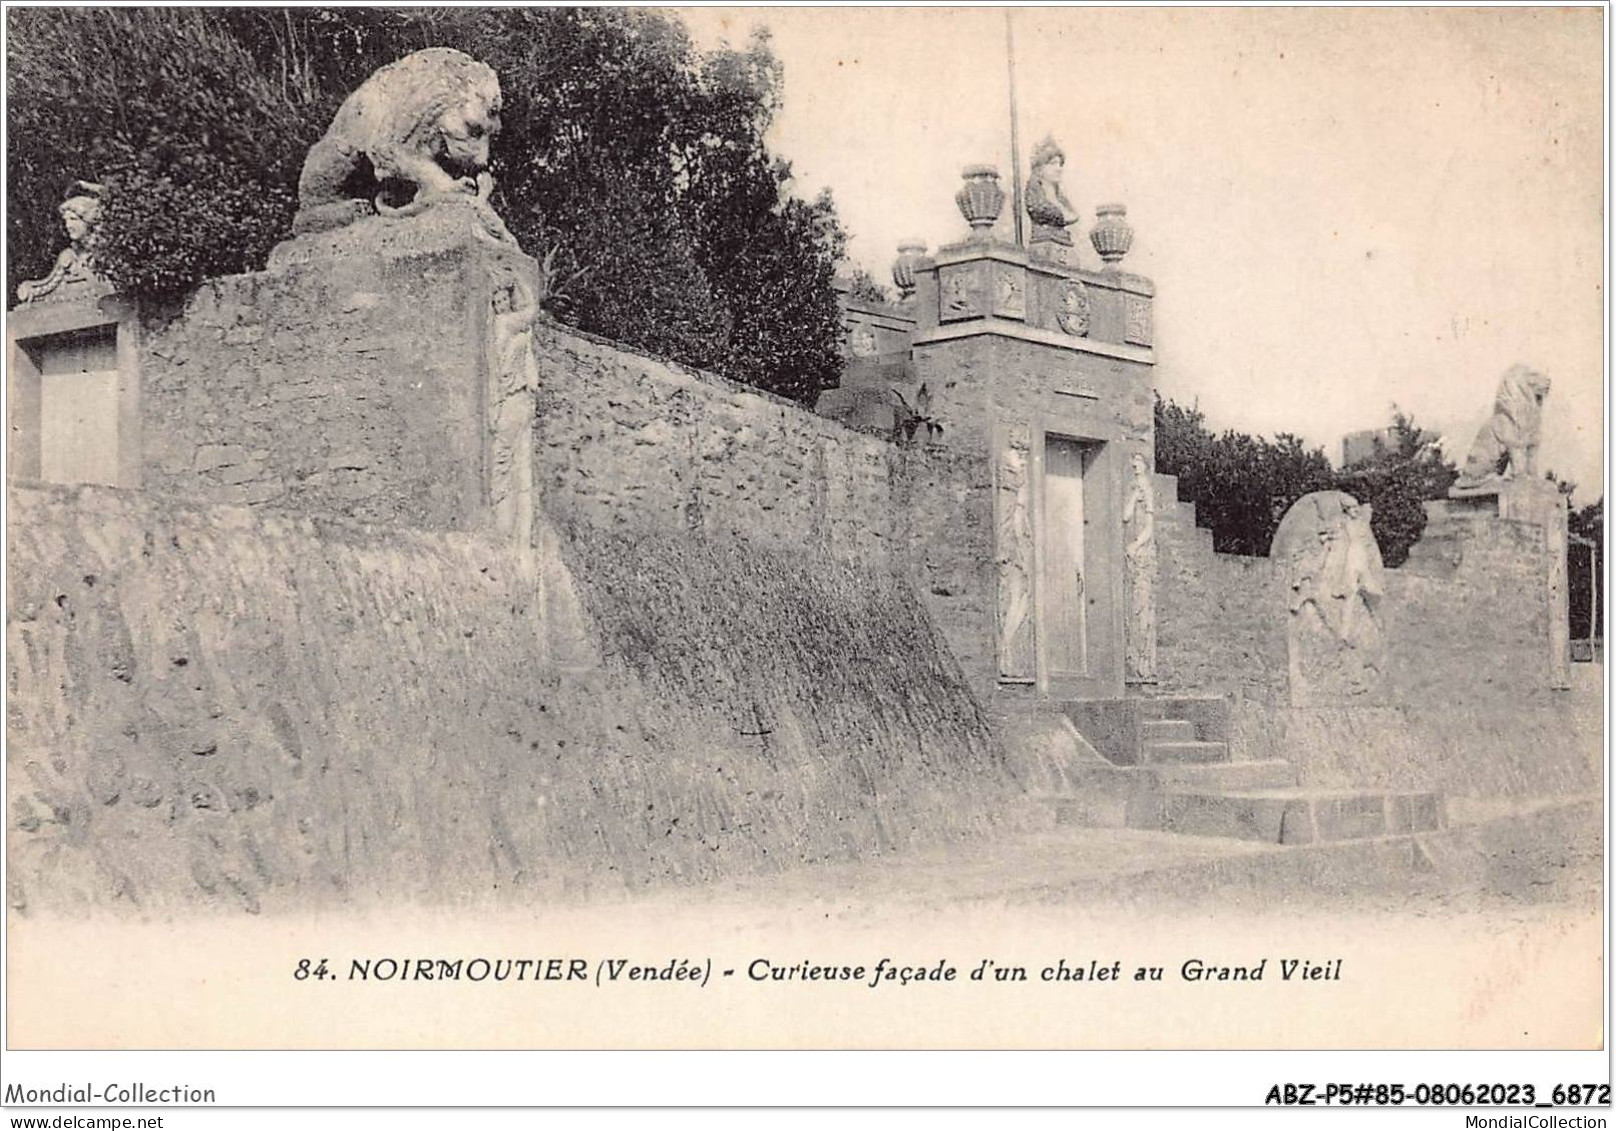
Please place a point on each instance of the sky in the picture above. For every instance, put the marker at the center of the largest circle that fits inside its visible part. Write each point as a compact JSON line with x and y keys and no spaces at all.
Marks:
{"x":1341,"y":209}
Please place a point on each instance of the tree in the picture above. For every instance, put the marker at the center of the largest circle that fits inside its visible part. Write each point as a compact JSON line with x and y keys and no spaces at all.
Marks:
{"x":1589,"y":522}
{"x":863,"y":286}
{"x":638,"y":161}
{"x":1396,"y":481}
{"x":1241,"y":485}
{"x":170,"y":112}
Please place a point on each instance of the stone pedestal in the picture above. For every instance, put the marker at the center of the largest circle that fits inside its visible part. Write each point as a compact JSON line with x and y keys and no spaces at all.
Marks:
{"x":1529,"y":503}
{"x":381,"y":371}
{"x":73,"y":367}
{"x":1533,"y":501}
{"x":1052,"y":245}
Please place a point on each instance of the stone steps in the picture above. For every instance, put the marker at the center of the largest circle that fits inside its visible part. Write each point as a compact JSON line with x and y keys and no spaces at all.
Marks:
{"x":1288,"y":815}
{"x":1167,"y":730}
{"x":1192,"y":751}
{"x":1222,"y":776}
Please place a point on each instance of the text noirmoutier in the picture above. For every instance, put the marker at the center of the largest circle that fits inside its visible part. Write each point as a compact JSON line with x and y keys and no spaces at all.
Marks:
{"x":884,"y":971}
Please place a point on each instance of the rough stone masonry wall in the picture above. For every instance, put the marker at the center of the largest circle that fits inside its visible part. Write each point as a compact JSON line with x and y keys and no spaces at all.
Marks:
{"x":221,"y":706}
{"x":1468,"y":709}
{"x":351,"y":387}
{"x":1220,"y":619}
{"x":625,"y":440}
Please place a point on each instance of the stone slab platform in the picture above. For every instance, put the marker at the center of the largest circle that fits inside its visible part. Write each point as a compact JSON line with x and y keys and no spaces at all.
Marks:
{"x":1290,"y":816}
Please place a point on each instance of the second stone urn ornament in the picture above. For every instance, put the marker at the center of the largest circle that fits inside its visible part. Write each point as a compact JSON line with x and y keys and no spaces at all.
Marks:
{"x":416,"y":132}
{"x":1111,"y":235}
{"x":980,"y":198}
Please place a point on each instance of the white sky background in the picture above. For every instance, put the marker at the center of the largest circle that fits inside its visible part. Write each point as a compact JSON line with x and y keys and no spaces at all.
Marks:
{"x":1341,"y":208}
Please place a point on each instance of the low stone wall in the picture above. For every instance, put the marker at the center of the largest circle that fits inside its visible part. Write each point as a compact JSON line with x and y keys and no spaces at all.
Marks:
{"x":224,"y":706}
{"x":624,"y":440}
{"x":1467,"y":628}
{"x":1467,"y":709}
{"x":1220,"y":618}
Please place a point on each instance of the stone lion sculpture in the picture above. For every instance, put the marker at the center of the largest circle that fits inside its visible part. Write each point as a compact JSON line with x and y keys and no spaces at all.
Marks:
{"x":414,"y":133}
{"x":1506,"y":446}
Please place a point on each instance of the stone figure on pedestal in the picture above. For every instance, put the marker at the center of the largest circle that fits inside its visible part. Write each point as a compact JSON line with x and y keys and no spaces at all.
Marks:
{"x":1051,"y":213}
{"x":1139,"y":513}
{"x":1506,"y":447}
{"x":416,"y":132}
{"x":80,"y":213}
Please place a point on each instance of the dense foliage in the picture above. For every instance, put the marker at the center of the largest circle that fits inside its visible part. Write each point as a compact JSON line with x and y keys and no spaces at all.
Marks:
{"x":1396,"y":481}
{"x":638,"y":160}
{"x":1242,"y":485}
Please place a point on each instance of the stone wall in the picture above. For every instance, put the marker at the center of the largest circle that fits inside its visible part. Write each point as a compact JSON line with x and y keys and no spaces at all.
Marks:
{"x":349,"y":381}
{"x":1469,"y":614}
{"x":1466,"y":618}
{"x":218,"y":705}
{"x":1220,"y":617}
{"x":628,"y":441}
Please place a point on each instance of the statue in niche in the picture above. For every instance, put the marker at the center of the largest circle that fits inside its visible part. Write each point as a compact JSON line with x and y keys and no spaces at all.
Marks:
{"x":415,"y":133}
{"x":1047,"y":207}
{"x":1506,"y":447}
{"x":1010,"y":295}
{"x":1139,"y":513}
{"x":959,"y":294}
{"x":513,"y":380}
{"x":1335,"y":584}
{"x":80,"y":213}
{"x":1013,"y":558}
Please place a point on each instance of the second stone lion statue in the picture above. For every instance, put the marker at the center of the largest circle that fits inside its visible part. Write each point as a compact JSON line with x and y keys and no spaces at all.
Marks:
{"x":416,"y":131}
{"x":1506,"y":446}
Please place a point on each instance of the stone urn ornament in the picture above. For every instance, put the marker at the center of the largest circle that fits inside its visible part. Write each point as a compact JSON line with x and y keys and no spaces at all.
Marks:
{"x":980,"y":199}
{"x":1111,"y":235}
{"x":910,"y":253}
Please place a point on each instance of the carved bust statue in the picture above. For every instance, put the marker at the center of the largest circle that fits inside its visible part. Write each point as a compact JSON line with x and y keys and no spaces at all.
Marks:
{"x":414,"y":133}
{"x":1051,"y":213}
{"x":80,"y":213}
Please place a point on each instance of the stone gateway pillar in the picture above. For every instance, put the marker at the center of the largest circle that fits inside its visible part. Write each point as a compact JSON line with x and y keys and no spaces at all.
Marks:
{"x":1032,"y":513}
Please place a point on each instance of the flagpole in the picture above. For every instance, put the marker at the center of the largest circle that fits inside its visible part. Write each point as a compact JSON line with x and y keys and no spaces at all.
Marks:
{"x":1015,"y":133}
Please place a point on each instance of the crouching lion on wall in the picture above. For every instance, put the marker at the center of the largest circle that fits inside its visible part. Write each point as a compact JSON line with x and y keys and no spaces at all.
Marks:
{"x":415,"y":132}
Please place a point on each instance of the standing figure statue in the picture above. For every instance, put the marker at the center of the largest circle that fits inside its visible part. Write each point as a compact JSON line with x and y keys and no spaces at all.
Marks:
{"x":80,"y":213}
{"x":1139,"y":512}
{"x":1013,"y":558}
{"x":1506,"y":447}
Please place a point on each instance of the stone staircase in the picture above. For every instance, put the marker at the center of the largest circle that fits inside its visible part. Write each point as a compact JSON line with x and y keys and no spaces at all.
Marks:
{"x":1168,"y":763}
